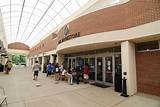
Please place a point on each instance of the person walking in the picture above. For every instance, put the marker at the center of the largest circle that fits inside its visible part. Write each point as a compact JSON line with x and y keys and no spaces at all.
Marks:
{"x":36,"y":68}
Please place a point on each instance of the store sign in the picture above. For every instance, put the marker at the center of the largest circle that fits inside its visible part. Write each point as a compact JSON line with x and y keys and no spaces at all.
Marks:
{"x":68,"y":37}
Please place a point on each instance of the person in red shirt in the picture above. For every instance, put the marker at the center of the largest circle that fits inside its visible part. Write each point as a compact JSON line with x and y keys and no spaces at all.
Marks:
{"x":86,"y":72}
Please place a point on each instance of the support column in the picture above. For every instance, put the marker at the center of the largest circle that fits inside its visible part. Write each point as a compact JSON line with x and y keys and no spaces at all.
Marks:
{"x":42,"y":65}
{"x":37,"y":59}
{"x":60,"y":59}
{"x":33,"y":61}
{"x":51,"y":58}
{"x":129,"y":66}
{"x":27,"y":61}
{"x":30,"y":61}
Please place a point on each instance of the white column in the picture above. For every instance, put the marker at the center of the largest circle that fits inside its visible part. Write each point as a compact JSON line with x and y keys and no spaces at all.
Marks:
{"x":129,"y":66}
{"x":51,"y":58}
{"x":27,"y":61}
{"x":60,"y":59}
{"x":42,"y":65}
{"x":33,"y":61}
{"x":37,"y":59}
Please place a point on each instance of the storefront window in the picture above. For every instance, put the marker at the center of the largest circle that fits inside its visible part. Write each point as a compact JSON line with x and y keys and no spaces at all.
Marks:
{"x":147,"y":46}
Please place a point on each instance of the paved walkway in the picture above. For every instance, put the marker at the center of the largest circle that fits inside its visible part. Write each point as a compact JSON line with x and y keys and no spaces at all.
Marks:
{"x":22,"y":92}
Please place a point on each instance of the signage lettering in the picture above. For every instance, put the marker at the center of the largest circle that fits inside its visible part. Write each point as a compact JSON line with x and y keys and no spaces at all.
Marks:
{"x":71,"y":36}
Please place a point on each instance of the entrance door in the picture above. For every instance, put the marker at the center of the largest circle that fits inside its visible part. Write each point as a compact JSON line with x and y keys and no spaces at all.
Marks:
{"x":104,"y":71}
{"x":92,"y":68}
{"x":99,"y":69}
{"x":108,"y":70}
{"x":72,"y":62}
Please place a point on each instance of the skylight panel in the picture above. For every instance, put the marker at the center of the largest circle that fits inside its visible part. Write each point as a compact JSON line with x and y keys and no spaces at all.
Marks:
{"x":5,"y":9}
{"x":51,"y":13}
{"x":64,"y":13}
{"x":46,"y":2}
{"x":58,"y":19}
{"x":7,"y":15}
{"x":16,"y":7}
{"x":30,"y":26}
{"x":64,"y":2}
{"x":37,"y":12}
{"x":28,"y":9}
{"x":57,"y":6}
{"x":4,"y":2}
{"x":30,"y":3}
{"x":72,"y":6}
{"x":42,"y":7}
{"x":82,"y":2}
{"x":47,"y":18}
{"x":18,"y":2}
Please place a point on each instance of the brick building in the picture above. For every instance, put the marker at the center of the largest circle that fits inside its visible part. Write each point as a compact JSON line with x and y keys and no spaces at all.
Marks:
{"x":121,"y":37}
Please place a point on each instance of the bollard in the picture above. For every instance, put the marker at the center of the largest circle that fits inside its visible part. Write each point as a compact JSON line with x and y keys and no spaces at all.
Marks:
{"x":124,"y":88}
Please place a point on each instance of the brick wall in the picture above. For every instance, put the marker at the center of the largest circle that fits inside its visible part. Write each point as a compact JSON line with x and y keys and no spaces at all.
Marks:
{"x":48,"y":44}
{"x":148,"y":72}
{"x":130,"y":14}
{"x":19,"y":46}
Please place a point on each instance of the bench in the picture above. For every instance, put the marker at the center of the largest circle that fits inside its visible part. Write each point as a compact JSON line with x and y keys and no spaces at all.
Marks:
{"x":3,"y":97}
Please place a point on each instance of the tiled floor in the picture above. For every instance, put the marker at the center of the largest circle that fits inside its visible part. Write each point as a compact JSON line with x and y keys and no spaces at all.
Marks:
{"x":22,"y":92}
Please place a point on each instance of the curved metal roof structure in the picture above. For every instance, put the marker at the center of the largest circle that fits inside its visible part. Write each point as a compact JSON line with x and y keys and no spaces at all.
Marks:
{"x":27,"y":21}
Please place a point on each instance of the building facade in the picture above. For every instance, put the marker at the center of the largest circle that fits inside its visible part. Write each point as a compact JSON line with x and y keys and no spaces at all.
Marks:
{"x":121,"y":37}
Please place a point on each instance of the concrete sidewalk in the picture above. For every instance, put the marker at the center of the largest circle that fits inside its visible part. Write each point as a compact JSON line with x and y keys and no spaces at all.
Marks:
{"x":22,"y":92}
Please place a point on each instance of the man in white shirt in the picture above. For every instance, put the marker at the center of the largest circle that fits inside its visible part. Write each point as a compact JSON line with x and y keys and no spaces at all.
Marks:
{"x":36,"y":69}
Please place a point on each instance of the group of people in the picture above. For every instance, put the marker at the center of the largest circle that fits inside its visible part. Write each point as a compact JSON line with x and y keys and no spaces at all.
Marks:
{"x":7,"y":67}
{"x":62,"y":73}
{"x":74,"y":74}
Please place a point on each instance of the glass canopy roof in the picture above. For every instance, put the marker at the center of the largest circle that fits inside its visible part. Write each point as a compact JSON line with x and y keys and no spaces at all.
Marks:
{"x":27,"y":21}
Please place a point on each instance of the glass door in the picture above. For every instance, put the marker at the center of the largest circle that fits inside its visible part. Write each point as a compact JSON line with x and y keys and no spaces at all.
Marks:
{"x":69,"y":62}
{"x":108,"y":70}
{"x":99,"y":69}
{"x":72,"y":62}
{"x":92,"y":68}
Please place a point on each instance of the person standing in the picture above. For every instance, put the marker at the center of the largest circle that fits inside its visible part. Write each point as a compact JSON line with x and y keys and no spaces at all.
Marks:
{"x":57,"y":73}
{"x":78,"y":72}
{"x":49,"y":69}
{"x":8,"y":66}
{"x":70,"y":77}
{"x":36,"y":68}
{"x":86,"y":72}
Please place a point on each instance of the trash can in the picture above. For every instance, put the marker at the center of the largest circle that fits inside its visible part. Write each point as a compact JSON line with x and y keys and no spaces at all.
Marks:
{"x":118,"y":80}
{"x":1,"y":68}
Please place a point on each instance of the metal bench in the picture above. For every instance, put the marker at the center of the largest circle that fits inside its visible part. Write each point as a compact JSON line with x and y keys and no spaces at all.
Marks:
{"x":3,"y":97}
